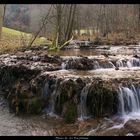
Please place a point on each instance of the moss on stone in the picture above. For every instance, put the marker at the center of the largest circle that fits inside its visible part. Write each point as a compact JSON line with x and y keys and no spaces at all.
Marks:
{"x":70,"y":113}
{"x":67,"y":90}
{"x":102,"y":100}
{"x":35,"y":106}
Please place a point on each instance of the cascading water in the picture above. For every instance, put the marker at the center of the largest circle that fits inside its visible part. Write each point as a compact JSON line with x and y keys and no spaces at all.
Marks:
{"x":50,"y":109}
{"x":46,"y":90}
{"x":63,"y":66}
{"x":96,"y":65}
{"x":129,"y":105}
{"x":129,"y":100}
{"x":89,"y":64}
{"x":133,"y":62}
{"x":82,"y":107}
{"x":121,"y":63}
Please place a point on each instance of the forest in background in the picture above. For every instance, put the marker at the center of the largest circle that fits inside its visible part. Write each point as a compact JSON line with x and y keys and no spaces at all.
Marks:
{"x":105,"y":24}
{"x":103,"y":17}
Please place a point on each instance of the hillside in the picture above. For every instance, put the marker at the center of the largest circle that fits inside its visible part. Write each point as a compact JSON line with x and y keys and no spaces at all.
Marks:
{"x":14,"y":39}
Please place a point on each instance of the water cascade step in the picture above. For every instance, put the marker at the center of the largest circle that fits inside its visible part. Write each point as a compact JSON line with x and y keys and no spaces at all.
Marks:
{"x":82,"y":108}
{"x":129,"y":100}
{"x":85,"y":63}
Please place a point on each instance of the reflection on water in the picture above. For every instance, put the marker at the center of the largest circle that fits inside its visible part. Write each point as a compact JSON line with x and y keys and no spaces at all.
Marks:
{"x":123,"y":50}
{"x":24,"y":124}
{"x":78,"y":52}
{"x":33,"y":125}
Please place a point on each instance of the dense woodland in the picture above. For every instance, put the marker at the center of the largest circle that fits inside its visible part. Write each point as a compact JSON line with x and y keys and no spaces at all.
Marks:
{"x":106,"y":18}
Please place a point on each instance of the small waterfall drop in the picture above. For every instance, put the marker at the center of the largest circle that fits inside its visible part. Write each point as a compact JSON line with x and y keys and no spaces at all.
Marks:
{"x":133,"y":62}
{"x":96,"y":65}
{"x":129,"y":105}
{"x":129,"y":100}
{"x":121,"y":63}
{"x":82,"y":108}
{"x":51,"y":107}
{"x":112,"y":65}
{"x":63,"y":66}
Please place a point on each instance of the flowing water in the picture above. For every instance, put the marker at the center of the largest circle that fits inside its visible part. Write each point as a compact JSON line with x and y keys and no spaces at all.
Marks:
{"x":129,"y":107}
{"x":83,"y":111}
{"x":129,"y":97}
{"x":129,"y":100}
{"x":114,"y":50}
{"x":23,"y":124}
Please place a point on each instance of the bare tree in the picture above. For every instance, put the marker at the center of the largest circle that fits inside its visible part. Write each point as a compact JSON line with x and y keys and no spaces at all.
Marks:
{"x":64,"y":23}
{"x":71,"y":17}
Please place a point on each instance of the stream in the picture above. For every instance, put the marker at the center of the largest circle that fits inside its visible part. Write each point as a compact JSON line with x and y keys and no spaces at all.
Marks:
{"x":125,"y":122}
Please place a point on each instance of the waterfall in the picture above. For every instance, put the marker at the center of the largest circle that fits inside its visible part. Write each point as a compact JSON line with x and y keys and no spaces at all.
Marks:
{"x":46,"y":90}
{"x":63,"y":66}
{"x":82,"y":107}
{"x":96,"y":65}
{"x":121,"y":63}
{"x":133,"y":62}
{"x":129,"y":100}
{"x":112,"y":65}
{"x":129,"y":105}
{"x":50,"y":109}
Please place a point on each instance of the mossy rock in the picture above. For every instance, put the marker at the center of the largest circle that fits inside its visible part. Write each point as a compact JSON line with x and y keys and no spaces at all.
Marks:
{"x":102,"y":100}
{"x":35,"y":106}
{"x":66,"y":93}
{"x":70,"y":113}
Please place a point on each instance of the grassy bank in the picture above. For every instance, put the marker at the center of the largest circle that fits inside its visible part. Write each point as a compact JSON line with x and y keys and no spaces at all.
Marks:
{"x":13,"y":40}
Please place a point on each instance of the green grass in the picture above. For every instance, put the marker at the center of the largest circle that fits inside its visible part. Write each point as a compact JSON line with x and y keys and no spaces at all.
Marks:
{"x":13,"y":32}
{"x":13,"y":40}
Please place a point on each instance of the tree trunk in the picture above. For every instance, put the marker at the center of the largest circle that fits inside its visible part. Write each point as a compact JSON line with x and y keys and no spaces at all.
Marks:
{"x":68,"y":23}
{"x":71,"y":18}
{"x":59,"y":18}
{"x":1,"y":18}
{"x":138,"y":16}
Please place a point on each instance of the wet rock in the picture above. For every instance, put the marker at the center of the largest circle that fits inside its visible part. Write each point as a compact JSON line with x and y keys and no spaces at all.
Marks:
{"x":70,"y":114}
{"x":51,"y":59}
{"x":105,"y":64}
{"x":102,"y":99}
{"x":80,"y":84}
{"x":136,"y":56}
{"x":66,"y":92}
{"x":116,"y":68}
{"x":133,"y":127}
{"x":35,"y":105}
{"x":80,"y":64}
